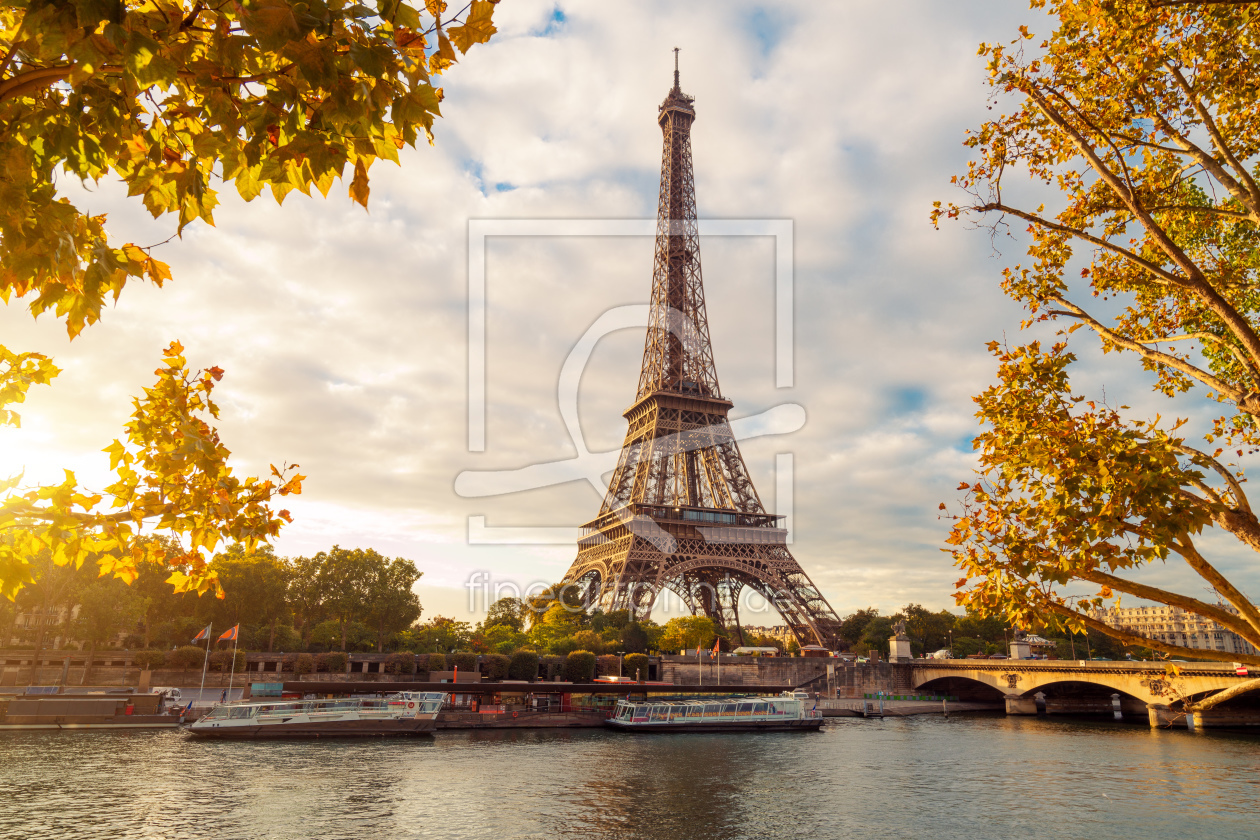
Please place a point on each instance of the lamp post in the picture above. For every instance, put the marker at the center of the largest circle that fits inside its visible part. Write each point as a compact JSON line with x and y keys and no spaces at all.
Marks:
{"x":621,"y":655}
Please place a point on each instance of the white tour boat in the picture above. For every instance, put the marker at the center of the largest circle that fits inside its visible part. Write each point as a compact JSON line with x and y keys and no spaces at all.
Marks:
{"x":405,"y":713}
{"x":745,"y":714}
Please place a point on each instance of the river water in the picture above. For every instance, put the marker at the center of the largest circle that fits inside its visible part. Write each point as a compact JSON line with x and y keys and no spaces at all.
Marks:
{"x":925,"y":777}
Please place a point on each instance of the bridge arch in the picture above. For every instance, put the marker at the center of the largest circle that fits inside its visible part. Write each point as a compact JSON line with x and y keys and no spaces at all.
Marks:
{"x":1137,"y":682}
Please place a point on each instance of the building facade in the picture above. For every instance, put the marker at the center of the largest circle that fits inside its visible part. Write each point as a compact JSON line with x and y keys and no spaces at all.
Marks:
{"x":1175,"y":626}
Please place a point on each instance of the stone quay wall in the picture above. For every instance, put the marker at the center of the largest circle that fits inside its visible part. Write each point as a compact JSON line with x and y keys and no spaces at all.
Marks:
{"x":847,"y":679}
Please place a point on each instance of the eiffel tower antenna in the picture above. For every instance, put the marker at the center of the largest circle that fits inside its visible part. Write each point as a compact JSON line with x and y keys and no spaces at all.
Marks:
{"x":681,"y":512}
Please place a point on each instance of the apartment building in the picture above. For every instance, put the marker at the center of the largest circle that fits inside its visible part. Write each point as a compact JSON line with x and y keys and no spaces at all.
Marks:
{"x":1175,"y":626}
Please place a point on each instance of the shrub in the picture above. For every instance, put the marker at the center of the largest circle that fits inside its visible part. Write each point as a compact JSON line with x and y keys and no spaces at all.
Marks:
{"x":523,"y":666}
{"x":606,"y":666}
{"x":466,"y":662}
{"x":636,"y":663}
{"x":302,"y":663}
{"x":333,"y":663}
{"x":150,"y":659}
{"x":579,"y":666}
{"x":495,"y":666}
{"x":188,"y":656}
{"x":400,"y":663}
{"x":437,"y":662}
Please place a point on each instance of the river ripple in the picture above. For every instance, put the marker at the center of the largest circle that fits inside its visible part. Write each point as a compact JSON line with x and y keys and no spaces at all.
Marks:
{"x":974,"y":777}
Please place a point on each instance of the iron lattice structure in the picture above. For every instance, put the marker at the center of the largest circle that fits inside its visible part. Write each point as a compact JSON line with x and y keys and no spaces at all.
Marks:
{"x":681,"y":512}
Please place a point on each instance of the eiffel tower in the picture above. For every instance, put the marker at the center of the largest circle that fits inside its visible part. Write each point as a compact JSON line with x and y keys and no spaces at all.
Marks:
{"x":681,"y":512}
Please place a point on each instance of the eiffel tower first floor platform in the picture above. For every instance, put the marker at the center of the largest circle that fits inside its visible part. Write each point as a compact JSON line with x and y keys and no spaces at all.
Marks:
{"x":707,"y":557}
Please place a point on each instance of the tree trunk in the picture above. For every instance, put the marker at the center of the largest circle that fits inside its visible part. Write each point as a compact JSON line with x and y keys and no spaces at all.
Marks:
{"x":271,"y":642}
{"x":39,"y":650}
{"x":343,"y":635}
{"x":87,"y":666}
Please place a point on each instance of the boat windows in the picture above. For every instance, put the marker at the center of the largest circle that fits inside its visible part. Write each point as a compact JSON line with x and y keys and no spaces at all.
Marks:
{"x":744,"y":709}
{"x":242,"y":712}
{"x":660,"y":713}
{"x":712,"y":709}
{"x":695,"y":711}
{"x":760,"y":709}
{"x":728,"y":710}
{"x":219,"y":713}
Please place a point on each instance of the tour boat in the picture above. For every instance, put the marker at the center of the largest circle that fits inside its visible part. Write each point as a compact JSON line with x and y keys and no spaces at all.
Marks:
{"x":745,"y":714}
{"x":405,"y":713}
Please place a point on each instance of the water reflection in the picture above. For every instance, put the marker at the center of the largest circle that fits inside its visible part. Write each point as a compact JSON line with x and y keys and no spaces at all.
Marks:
{"x":914,"y":777}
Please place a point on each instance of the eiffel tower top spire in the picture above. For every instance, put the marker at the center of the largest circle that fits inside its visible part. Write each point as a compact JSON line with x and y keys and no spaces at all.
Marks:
{"x":677,"y":355}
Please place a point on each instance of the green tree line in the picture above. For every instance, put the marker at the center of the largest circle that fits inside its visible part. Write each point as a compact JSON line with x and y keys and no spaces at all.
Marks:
{"x":346,"y":599}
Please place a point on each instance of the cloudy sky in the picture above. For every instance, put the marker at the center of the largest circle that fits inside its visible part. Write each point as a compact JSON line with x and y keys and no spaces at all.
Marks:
{"x":344,"y":334}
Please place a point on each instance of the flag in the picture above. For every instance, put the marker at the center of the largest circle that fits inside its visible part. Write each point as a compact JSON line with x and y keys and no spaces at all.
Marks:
{"x":716,"y":642}
{"x":204,"y":634}
{"x":230,"y":636}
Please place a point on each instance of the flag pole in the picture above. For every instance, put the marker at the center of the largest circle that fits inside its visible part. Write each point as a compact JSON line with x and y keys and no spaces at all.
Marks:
{"x":232,"y":669}
{"x":201,"y":694}
{"x":700,"y":664}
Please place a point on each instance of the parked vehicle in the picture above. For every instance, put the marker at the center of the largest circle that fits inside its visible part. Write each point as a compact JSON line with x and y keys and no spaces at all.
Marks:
{"x":943,"y":653}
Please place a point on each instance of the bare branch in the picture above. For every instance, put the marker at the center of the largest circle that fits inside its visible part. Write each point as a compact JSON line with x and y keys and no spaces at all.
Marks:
{"x":1240,"y":498}
{"x":1164,"y":276}
{"x":1223,"y":695}
{"x":1145,"y":352}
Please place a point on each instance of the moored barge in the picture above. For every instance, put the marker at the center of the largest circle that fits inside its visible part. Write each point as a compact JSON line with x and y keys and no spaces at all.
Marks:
{"x":86,"y":711}
{"x":783,"y":713}
{"x":405,"y":713}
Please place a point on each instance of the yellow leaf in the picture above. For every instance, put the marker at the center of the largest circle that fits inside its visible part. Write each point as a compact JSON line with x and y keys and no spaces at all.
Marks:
{"x":477,"y":27}
{"x":359,"y":189}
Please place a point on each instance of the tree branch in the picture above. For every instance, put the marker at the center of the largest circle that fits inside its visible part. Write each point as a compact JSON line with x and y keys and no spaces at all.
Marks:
{"x":1240,"y":498}
{"x":1173,"y":599}
{"x":1219,"y":582}
{"x":1222,"y":147}
{"x":1223,"y":695}
{"x":1145,"y":352}
{"x":1237,"y":324}
{"x":1165,"y":276}
{"x":33,"y":80}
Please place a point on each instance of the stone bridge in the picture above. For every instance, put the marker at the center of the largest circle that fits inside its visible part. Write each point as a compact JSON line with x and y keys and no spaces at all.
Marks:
{"x":1040,"y":686}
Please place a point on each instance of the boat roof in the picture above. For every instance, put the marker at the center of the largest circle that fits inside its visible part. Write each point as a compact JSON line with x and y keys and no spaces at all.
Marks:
{"x":693,"y":701}
{"x":276,"y":701}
